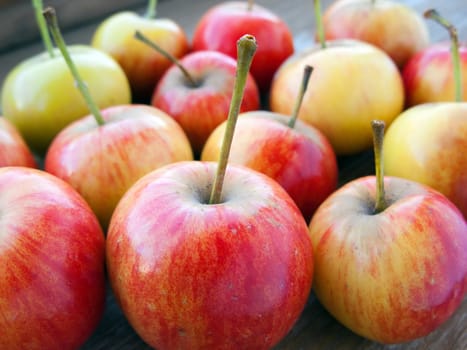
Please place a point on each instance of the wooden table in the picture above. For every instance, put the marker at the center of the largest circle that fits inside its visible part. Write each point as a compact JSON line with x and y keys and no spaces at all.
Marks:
{"x":316,"y":329}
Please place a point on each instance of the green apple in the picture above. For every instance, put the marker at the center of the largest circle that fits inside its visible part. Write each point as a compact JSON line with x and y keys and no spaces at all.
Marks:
{"x":142,"y":65}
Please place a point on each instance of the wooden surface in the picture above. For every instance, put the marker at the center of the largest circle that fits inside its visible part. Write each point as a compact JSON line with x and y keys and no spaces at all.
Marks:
{"x":316,"y":329}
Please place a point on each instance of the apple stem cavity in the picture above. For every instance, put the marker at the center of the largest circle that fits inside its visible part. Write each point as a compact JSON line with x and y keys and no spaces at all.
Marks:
{"x":38,"y":9}
{"x":141,"y":37}
{"x":298,"y":102}
{"x":378,"y":135}
{"x":51,"y":18}
{"x":434,"y":15}
{"x":246,"y":48}
{"x":151,"y":10}
{"x":319,"y":23}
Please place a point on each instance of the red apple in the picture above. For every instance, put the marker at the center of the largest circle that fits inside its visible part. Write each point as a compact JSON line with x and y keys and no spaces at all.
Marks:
{"x":429,"y":75}
{"x":222,"y":25}
{"x":143,"y":66}
{"x":300,"y":159}
{"x":193,"y":275}
{"x":13,"y":149}
{"x":199,"y":108}
{"x":52,"y":285}
{"x":390,"y":257}
{"x":102,"y":162}
{"x":394,"y":27}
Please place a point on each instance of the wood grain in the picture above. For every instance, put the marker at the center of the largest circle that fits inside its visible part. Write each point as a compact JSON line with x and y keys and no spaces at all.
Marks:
{"x":316,"y":329}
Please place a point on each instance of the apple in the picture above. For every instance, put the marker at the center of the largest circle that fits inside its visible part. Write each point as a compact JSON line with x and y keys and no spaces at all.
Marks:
{"x":13,"y":149}
{"x":221,"y":26}
{"x":429,"y":77}
{"x":427,"y":143}
{"x":198,"y":97}
{"x":394,"y":27}
{"x":103,"y":154}
{"x":344,"y":95}
{"x":40,"y":98}
{"x":390,"y":256}
{"x":143,"y":66}
{"x":52,"y":290}
{"x":296,"y":155}
{"x":202,"y":256}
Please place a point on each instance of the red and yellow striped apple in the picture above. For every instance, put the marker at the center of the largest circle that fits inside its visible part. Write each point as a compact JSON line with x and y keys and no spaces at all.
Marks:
{"x":13,"y":149}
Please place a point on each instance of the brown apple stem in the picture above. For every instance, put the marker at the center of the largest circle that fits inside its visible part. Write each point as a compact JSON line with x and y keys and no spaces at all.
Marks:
{"x":298,"y":102}
{"x":434,"y":15}
{"x":250,"y":5}
{"x":151,"y":10}
{"x":378,"y":135}
{"x":141,"y":37}
{"x":246,"y":48}
{"x":38,"y":8}
{"x":51,"y":18}
{"x":319,"y":23}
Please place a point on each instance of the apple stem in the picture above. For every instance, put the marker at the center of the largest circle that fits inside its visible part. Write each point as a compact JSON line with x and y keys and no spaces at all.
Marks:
{"x":141,"y":37}
{"x":250,"y":5}
{"x":38,"y":8}
{"x":246,"y":48}
{"x":298,"y":102}
{"x":51,"y":18}
{"x":151,"y":10}
{"x":434,"y":15}
{"x":378,"y":135}
{"x":319,"y":23}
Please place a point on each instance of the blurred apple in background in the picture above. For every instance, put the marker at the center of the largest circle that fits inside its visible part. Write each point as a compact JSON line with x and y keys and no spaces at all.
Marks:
{"x":428,"y":142}
{"x":392,"y":26}
{"x":39,"y":95}
{"x":390,"y":257}
{"x":13,"y":149}
{"x":52,"y":286}
{"x":200,"y":102}
{"x":295,"y":154}
{"x":429,"y":75}
{"x":143,"y":66}
{"x":103,"y":154}
{"x":222,"y":25}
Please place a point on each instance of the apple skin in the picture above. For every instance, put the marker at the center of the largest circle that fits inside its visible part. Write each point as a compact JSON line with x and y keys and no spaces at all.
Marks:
{"x":394,"y":276}
{"x":190,"y":275}
{"x":343,"y":95}
{"x":200,"y":109}
{"x":142,"y":64}
{"x":40,"y":98}
{"x":13,"y":149}
{"x":394,"y":27}
{"x":52,"y":290}
{"x":428,"y":76}
{"x":428,"y":144}
{"x":274,"y":37}
{"x":300,"y":159}
{"x":101,"y":163}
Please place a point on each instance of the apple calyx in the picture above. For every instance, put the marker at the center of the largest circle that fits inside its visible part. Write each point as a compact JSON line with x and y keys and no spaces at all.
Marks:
{"x":378,"y":135}
{"x":38,"y":9}
{"x":52,"y":22}
{"x":141,"y":37}
{"x":246,"y":48}
{"x":319,"y":23}
{"x":434,"y":15}
{"x":298,"y":102}
{"x":151,"y":9}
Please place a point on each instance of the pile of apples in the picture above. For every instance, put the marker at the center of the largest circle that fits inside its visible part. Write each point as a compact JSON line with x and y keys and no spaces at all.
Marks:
{"x":201,"y":178}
